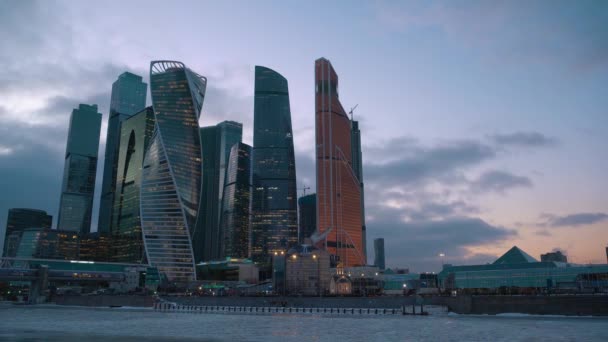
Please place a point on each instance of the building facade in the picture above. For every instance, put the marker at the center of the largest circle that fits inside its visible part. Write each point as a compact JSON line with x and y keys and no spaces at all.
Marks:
{"x":339,"y":194}
{"x":307,"y":217}
{"x":216,"y":144}
{"x":273,"y":208}
{"x":235,"y":225}
{"x":307,"y":271}
{"x":357,"y":163}
{"x":19,"y":219}
{"x":45,"y":243}
{"x":171,"y":177}
{"x":379,"y":260}
{"x":128,"y":97}
{"x":554,"y":256}
{"x":135,"y":136}
{"x":76,"y":203}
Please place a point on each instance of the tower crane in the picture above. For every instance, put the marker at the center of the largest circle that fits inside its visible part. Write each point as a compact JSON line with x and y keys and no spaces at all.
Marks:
{"x":352,"y":110}
{"x":304,"y":188}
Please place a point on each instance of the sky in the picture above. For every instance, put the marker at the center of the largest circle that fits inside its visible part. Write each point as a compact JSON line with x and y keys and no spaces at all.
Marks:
{"x":484,"y":123}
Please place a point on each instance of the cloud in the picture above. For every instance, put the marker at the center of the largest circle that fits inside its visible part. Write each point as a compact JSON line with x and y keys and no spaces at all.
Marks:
{"x":499,"y":181}
{"x":574,"y":220}
{"x":418,"y":243}
{"x":523,"y":139}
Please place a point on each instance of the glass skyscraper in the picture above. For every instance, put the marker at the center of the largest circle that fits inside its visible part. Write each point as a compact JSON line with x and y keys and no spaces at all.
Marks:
{"x":128,"y":97}
{"x":338,"y":187}
{"x":274,"y":199}
{"x":76,"y":204}
{"x":171,"y":177}
{"x":357,"y":163}
{"x":235,"y":226}
{"x":379,"y":260}
{"x":216,"y":144}
{"x":20,"y":219}
{"x":135,"y":135}
{"x":308,"y":216}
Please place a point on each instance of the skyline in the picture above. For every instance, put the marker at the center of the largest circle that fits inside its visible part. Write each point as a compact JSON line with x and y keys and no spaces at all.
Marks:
{"x":498,"y":145}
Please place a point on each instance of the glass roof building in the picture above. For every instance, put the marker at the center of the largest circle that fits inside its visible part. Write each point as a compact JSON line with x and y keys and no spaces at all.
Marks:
{"x":517,"y":269}
{"x":171,"y":177}
{"x":128,"y":98}
{"x":76,"y":204}
{"x":339,"y":195}
{"x":274,"y":199}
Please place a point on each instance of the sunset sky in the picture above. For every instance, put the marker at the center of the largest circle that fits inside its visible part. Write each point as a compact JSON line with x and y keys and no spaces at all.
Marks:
{"x":484,"y":123}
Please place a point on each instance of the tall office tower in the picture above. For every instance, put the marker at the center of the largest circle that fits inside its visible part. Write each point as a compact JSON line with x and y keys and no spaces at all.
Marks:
{"x":338,"y":188}
{"x":128,"y":98}
{"x":357,"y":162}
{"x":308,"y":216}
{"x":273,"y":206}
{"x":216,"y":143}
{"x":171,"y":176}
{"x":80,"y":169}
{"x":20,"y":219}
{"x":235,"y":227}
{"x":379,"y":253}
{"x":135,"y":135}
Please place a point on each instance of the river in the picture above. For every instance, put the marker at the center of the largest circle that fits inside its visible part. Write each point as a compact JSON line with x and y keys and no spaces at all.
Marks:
{"x":57,"y":323}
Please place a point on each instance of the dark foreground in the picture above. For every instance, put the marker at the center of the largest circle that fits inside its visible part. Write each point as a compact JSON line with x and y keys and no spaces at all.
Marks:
{"x":57,"y":323}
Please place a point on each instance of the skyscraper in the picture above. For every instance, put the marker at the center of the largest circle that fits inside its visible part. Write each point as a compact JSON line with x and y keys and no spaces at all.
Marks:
{"x":357,"y":162}
{"x":171,"y":177}
{"x":235,"y":226}
{"x":379,"y":253}
{"x":338,"y":187}
{"x":216,"y":144}
{"x":128,"y":97}
{"x":20,"y":219}
{"x":76,"y":204}
{"x":273,"y":208}
{"x":308,"y":216}
{"x":135,"y":135}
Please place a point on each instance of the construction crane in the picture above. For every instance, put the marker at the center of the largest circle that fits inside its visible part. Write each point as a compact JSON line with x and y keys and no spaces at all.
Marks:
{"x":352,"y":110}
{"x":304,"y":190}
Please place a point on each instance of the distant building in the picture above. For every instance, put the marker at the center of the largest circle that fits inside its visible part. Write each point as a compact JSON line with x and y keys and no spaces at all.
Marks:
{"x":171,"y":175}
{"x":307,"y":271}
{"x":76,"y":205}
{"x":228,"y":270}
{"x":216,"y":142}
{"x":554,"y":256}
{"x":308,"y":216}
{"x":44,"y":243}
{"x":379,"y":259}
{"x":128,"y":97}
{"x":532,"y":276}
{"x":274,"y":220}
{"x":22,"y":218}
{"x":135,"y":136}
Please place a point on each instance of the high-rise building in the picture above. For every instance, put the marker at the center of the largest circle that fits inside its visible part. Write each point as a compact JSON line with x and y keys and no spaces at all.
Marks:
{"x":76,"y":205}
{"x":171,"y":177}
{"x":338,"y":187}
{"x":216,"y":144}
{"x":357,"y":163}
{"x":554,"y":256}
{"x":379,"y":260}
{"x":308,"y":216}
{"x":207,"y":225}
{"x":44,"y":243}
{"x":273,"y":208}
{"x":22,"y":218}
{"x":235,"y":226}
{"x":128,"y":98}
{"x":135,"y":135}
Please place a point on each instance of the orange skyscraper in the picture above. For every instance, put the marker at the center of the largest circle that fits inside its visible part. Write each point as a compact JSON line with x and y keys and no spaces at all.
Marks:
{"x":339,"y":192}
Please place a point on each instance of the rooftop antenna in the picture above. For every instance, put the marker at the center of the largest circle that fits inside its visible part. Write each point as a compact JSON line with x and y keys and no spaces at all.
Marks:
{"x":351,"y":111}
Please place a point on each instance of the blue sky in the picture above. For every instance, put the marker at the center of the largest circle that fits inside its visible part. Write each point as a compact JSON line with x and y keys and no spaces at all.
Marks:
{"x":484,"y":123}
